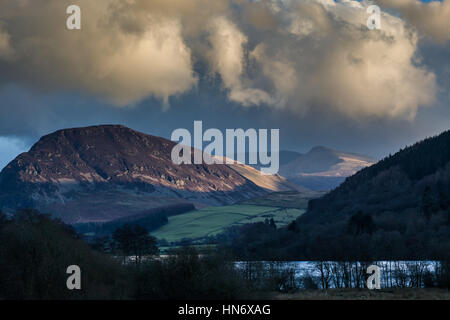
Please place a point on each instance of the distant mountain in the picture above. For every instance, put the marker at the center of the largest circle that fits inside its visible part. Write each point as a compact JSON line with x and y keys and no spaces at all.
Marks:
{"x":322,"y":168}
{"x":103,"y":173}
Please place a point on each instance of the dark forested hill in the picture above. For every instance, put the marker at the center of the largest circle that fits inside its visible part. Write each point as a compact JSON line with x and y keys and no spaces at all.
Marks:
{"x":398,"y":208}
{"x":396,"y":183}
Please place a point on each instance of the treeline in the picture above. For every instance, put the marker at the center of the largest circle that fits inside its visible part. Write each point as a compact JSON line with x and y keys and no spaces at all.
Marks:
{"x":417,"y":161}
{"x":283,"y":277}
{"x":393,"y":274}
{"x":36,"y":250}
{"x":361,"y":237}
{"x":151,"y":220}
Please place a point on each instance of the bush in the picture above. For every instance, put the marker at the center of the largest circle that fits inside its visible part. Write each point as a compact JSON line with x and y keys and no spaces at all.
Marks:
{"x":35,"y":252}
{"x":184,"y":274}
{"x":308,"y":283}
{"x":443,"y":274}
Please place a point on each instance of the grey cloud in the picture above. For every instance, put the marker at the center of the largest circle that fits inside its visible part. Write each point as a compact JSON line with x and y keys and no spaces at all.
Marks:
{"x":284,"y":54}
{"x":432,"y":18}
{"x":6,"y":52}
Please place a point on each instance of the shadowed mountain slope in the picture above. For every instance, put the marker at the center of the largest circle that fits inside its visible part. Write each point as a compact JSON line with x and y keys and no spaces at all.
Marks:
{"x":102,"y":173}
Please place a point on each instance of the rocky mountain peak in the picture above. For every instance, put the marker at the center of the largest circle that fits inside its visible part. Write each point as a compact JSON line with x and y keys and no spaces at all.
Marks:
{"x":99,"y":165}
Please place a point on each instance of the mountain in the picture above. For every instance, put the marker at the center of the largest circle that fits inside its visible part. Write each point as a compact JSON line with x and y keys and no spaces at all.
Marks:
{"x":322,"y":168}
{"x":103,"y":173}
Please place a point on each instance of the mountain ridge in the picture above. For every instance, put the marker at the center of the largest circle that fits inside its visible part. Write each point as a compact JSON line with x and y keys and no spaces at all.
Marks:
{"x":323,"y":168}
{"x":70,"y":167}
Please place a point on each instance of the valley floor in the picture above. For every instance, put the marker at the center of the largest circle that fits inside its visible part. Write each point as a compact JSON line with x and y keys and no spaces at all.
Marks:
{"x":365,"y":294}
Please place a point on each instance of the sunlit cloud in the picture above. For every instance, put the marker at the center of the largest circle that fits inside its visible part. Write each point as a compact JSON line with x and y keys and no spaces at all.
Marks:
{"x":293,"y":55}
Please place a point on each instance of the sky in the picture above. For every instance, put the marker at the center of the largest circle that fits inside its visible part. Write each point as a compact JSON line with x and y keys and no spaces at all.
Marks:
{"x":311,"y":68}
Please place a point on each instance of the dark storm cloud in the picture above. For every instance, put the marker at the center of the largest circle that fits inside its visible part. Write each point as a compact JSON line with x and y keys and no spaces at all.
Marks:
{"x":309,"y":67}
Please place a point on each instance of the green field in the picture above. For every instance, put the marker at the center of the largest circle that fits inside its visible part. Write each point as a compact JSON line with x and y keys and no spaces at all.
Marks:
{"x":213,"y":220}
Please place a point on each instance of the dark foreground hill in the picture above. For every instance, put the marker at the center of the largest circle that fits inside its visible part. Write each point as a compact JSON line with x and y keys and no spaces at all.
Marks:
{"x":415,"y":180}
{"x":103,"y":173}
{"x":398,"y":208}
